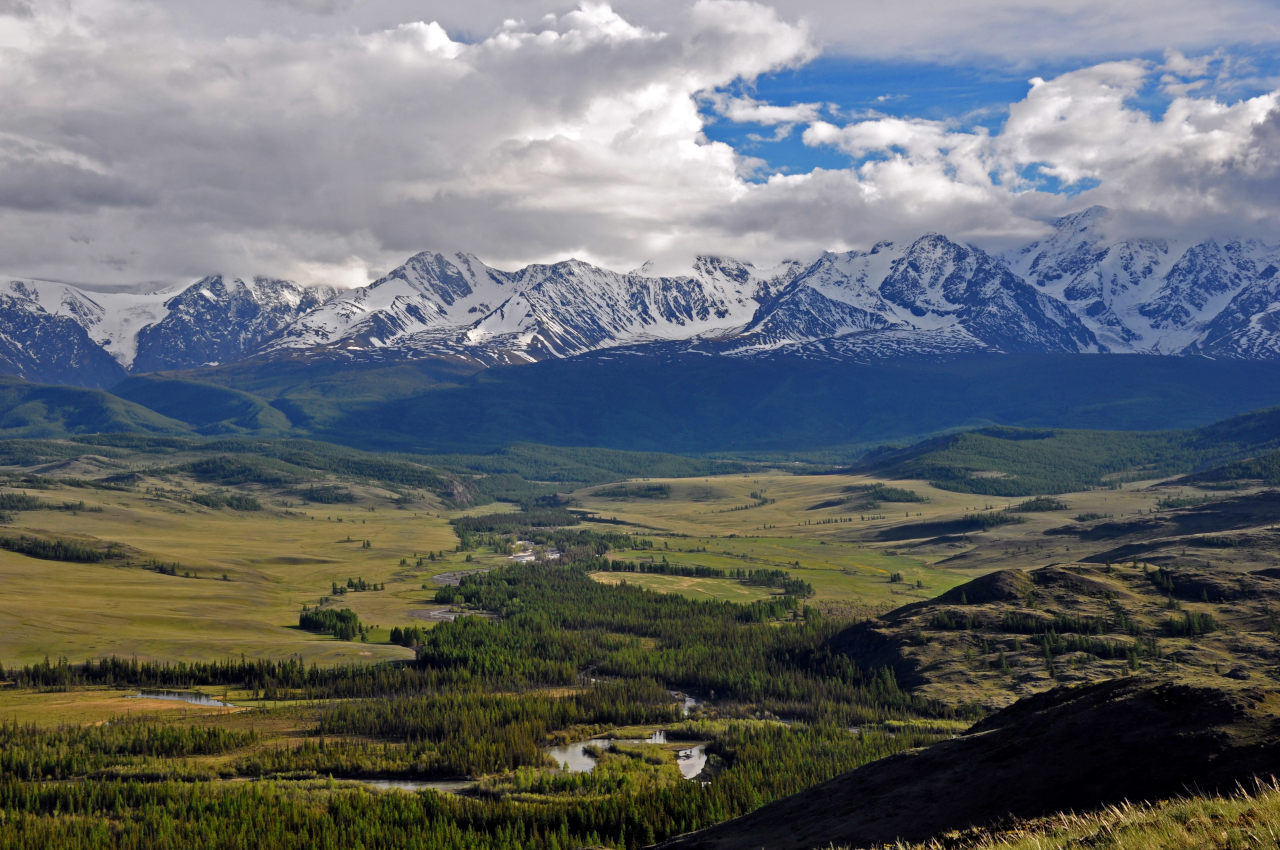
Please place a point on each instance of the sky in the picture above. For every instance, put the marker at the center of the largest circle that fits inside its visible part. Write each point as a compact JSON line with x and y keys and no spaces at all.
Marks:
{"x":151,"y":142}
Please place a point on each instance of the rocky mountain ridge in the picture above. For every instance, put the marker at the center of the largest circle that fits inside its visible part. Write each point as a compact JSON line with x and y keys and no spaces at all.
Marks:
{"x":1080,"y":290}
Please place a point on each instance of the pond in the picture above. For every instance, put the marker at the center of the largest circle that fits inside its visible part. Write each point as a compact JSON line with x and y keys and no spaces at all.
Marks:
{"x":692,"y":760}
{"x":573,"y":758}
{"x":687,"y":704}
{"x":192,"y":697}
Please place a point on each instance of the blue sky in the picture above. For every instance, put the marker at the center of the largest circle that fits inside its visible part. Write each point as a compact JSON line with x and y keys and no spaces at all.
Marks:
{"x":975,"y":92}
{"x":969,"y":94}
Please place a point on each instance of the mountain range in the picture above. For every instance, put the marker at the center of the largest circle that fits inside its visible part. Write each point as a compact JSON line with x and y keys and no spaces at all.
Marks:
{"x":1080,"y":290}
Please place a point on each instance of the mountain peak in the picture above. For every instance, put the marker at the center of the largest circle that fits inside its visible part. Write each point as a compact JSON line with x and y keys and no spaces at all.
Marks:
{"x":453,"y":258}
{"x":1085,"y":218}
{"x":1079,"y":289}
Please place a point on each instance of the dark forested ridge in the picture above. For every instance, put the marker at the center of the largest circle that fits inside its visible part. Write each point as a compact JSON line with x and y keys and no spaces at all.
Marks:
{"x":1028,"y":461}
{"x":673,"y":402}
{"x":790,"y":405}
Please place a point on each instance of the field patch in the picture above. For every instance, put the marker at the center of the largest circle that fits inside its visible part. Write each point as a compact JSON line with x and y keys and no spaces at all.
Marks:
{"x":690,"y":587}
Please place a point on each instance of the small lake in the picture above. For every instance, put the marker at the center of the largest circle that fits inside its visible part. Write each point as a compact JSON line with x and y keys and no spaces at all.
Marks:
{"x":688,"y":703}
{"x":183,"y":696}
{"x":573,"y":758}
{"x":692,"y":760}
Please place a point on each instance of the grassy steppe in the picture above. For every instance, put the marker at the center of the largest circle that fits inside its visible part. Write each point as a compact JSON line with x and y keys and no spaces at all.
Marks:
{"x":813,"y":527}
{"x":1240,"y":822}
{"x":821,"y":529}
{"x":289,"y":554}
{"x":690,"y":587}
{"x":274,"y":562}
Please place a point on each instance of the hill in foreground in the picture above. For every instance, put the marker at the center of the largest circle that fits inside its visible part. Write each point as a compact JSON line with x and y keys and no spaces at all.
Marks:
{"x":1080,"y":748}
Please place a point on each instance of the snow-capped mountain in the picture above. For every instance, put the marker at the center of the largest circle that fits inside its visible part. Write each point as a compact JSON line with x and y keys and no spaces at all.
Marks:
{"x":221,"y":320}
{"x":438,"y":302}
{"x":45,"y":345}
{"x":112,"y":320}
{"x":60,"y":333}
{"x":1249,"y":326}
{"x":1086,"y":287}
{"x":1146,"y":295}
{"x":946,"y":295}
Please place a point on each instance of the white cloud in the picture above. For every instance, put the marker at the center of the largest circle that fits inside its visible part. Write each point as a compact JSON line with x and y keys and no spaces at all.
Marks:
{"x":1027,"y":31}
{"x":748,"y":110}
{"x":143,"y":141}
{"x":1201,"y":164}
{"x":1188,"y":67}
{"x":578,"y":132}
{"x":1082,"y":126}
{"x":1033,"y":31}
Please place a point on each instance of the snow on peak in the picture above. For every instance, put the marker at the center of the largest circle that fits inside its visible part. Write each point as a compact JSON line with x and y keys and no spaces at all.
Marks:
{"x":1085,"y":218}
{"x":1082,"y":287}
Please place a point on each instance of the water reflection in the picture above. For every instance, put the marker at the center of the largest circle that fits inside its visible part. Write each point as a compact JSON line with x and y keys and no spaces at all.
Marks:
{"x":577,"y":758}
{"x":183,"y":696}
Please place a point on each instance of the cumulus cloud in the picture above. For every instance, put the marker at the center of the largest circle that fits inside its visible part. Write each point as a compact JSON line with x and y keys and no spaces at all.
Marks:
{"x":149,"y":141}
{"x":1027,"y":31}
{"x":748,"y":110}
{"x":577,"y":132}
{"x":1201,"y":163}
{"x":1191,"y":165}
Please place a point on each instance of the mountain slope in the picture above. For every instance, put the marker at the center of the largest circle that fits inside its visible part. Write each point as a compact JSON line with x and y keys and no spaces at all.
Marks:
{"x":34,"y":410}
{"x":207,"y":408}
{"x":219,"y":320}
{"x":1010,"y":633}
{"x":1249,"y":326}
{"x":1024,"y":462}
{"x":1155,"y":295}
{"x":1140,"y":738}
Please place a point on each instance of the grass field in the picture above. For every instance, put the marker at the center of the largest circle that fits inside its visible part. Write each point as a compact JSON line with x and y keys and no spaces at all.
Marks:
{"x":798,"y":524}
{"x":95,"y":705}
{"x":274,"y":562}
{"x":688,"y":586}
{"x":242,"y":576}
{"x":1246,"y":820}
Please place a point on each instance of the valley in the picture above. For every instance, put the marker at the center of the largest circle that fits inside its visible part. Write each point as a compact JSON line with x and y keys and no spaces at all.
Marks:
{"x":428,"y":638}
{"x":201,"y":580}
